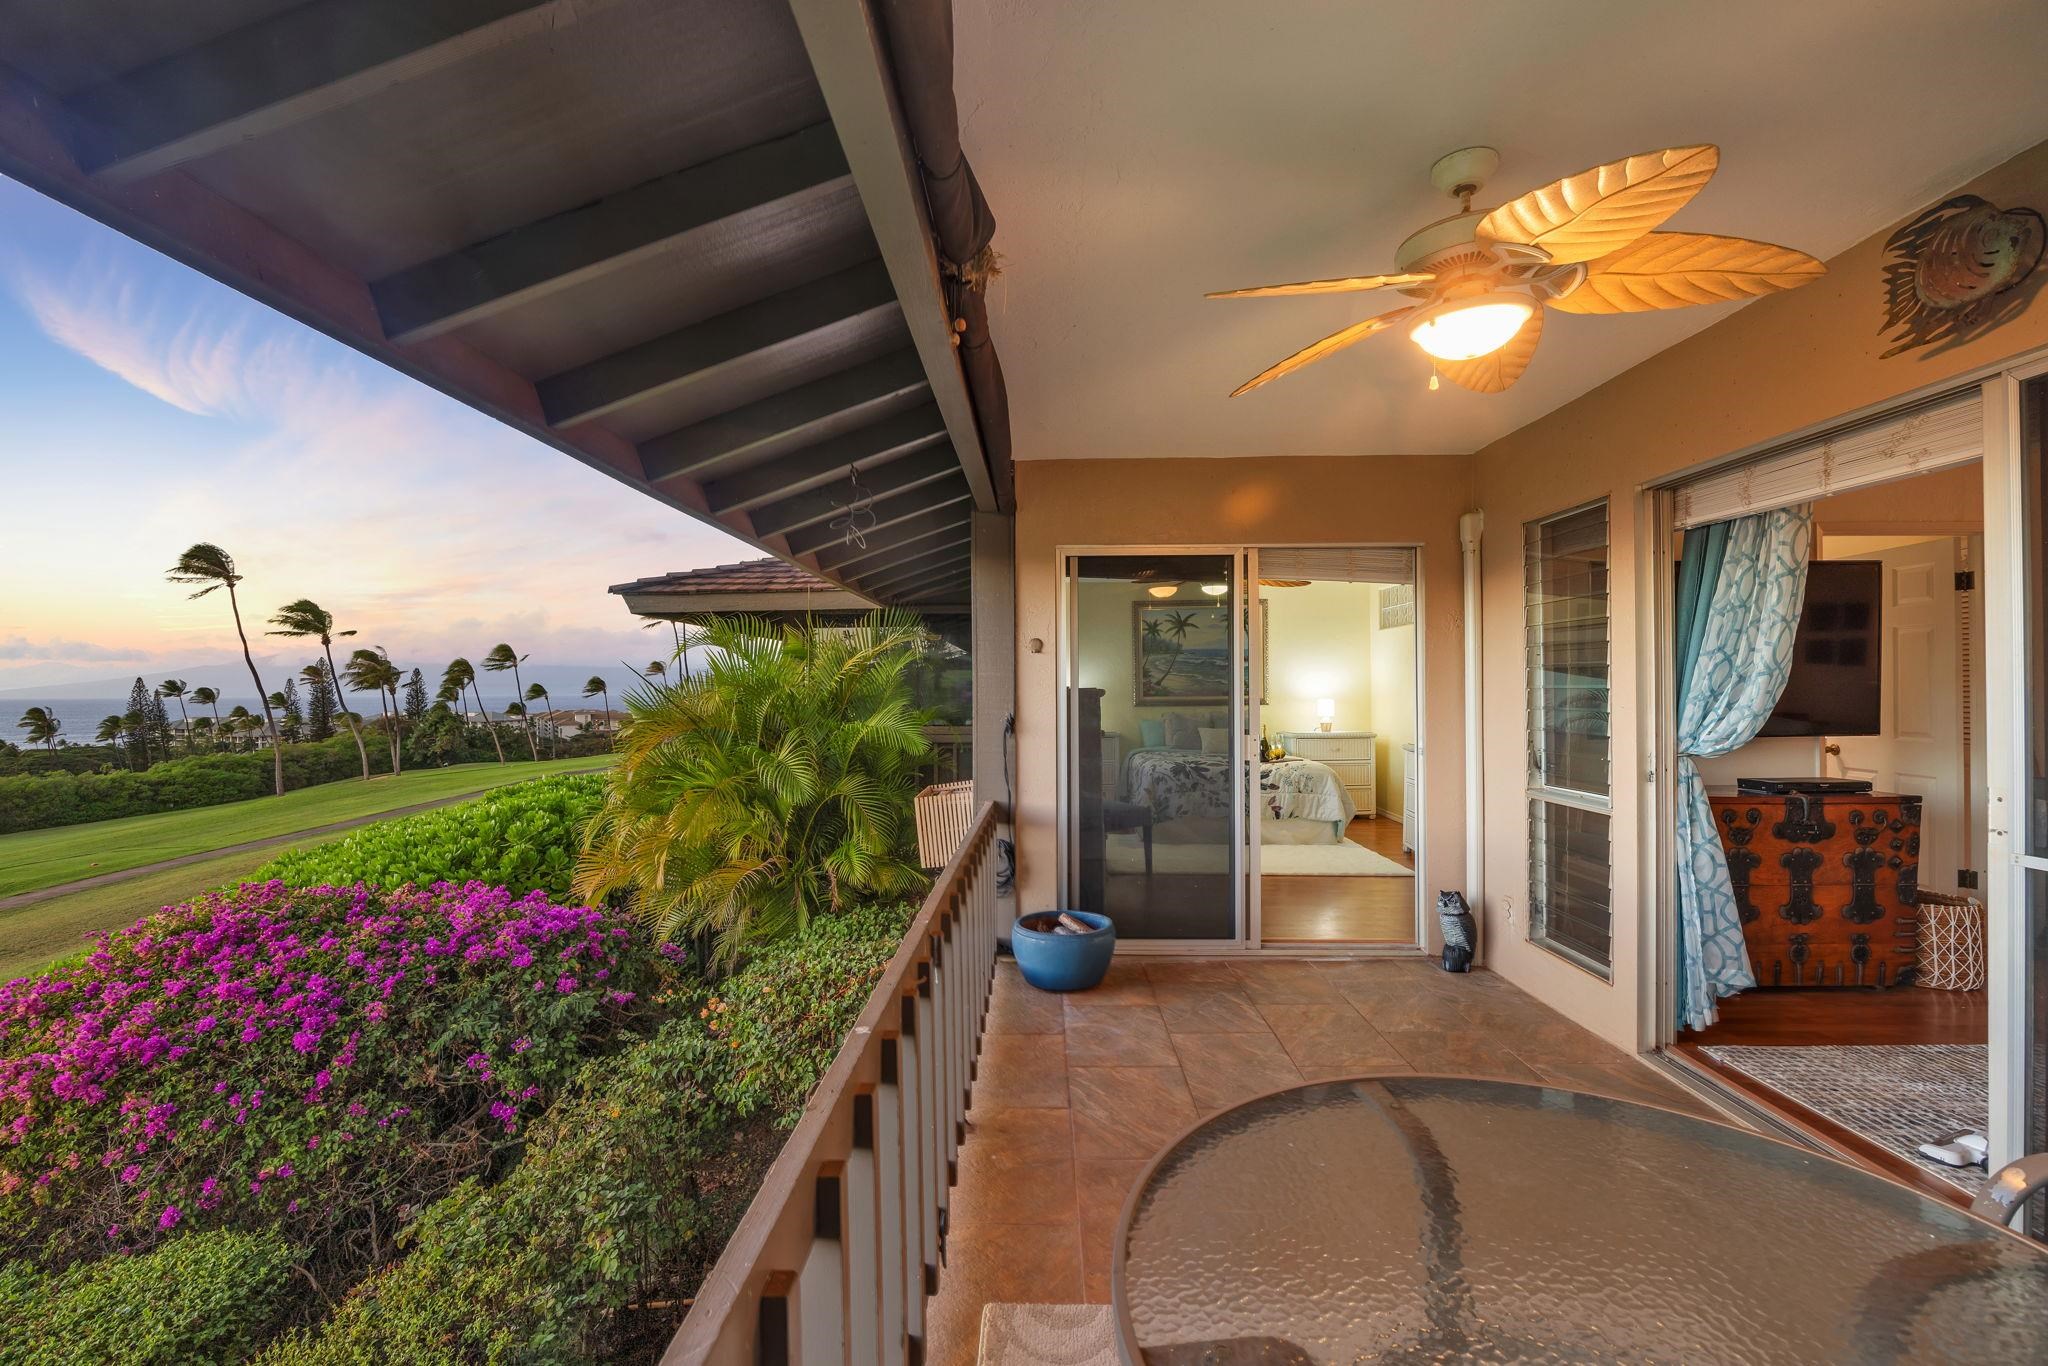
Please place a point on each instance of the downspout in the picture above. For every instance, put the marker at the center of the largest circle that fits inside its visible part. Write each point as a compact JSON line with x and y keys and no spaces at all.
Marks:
{"x":1470,"y":526}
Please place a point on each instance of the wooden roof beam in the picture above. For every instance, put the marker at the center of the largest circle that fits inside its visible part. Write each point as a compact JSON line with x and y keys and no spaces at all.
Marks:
{"x":829,"y":461}
{"x":927,"y":466}
{"x":888,"y":512}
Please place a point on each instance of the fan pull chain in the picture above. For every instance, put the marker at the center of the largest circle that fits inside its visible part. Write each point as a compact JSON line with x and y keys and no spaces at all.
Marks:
{"x":1434,"y":383}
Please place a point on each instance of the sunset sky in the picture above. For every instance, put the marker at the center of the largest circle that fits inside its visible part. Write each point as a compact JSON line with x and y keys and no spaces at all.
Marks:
{"x":148,"y":407}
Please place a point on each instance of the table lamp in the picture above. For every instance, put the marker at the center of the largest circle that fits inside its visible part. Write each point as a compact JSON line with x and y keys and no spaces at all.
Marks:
{"x":1326,"y":712}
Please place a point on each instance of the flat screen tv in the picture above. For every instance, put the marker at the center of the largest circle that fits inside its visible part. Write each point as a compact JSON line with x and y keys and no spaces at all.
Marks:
{"x":1836,"y":683}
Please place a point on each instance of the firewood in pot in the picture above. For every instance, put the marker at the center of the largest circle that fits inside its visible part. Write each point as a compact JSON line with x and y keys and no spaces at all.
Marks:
{"x":1069,"y":925}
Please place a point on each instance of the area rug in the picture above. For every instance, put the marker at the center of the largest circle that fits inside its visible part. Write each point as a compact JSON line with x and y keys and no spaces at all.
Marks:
{"x":1048,"y":1335}
{"x":1896,"y":1095}
{"x":1127,"y":855}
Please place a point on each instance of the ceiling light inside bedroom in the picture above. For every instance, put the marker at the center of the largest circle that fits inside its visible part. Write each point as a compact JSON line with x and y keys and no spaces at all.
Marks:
{"x":1215,"y":590}
{"x":1163,"y":590}
{"x":1465,"y":329}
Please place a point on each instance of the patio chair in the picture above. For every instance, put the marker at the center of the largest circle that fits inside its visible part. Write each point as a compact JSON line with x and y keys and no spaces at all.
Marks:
{"x":944,"y":811}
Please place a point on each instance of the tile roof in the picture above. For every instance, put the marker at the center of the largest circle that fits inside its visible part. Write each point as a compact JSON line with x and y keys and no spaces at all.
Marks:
{"x":748,"y":576}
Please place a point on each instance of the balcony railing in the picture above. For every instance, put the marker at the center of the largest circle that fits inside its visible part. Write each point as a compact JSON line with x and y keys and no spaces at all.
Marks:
{"x":841,"y":1245}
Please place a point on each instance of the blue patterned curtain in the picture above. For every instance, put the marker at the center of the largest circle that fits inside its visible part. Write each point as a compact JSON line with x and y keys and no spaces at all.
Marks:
{"x":1740,"y":587}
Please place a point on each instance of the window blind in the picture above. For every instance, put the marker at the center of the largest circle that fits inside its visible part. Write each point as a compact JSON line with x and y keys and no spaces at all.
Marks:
{"x":1943,"y":432}
{"x":1356,"y":564}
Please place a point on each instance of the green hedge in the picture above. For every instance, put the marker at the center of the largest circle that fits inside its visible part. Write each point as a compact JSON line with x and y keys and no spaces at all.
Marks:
{"x":205,"y":1297}
{"x":44,"y":800}
{"x":523,"y":837}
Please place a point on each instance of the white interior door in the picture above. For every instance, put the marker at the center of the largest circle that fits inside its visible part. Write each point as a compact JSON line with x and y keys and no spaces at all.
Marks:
{"x":1919,"y":750}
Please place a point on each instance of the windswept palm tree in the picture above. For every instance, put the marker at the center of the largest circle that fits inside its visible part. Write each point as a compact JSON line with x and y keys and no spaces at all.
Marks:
{"x":236,"y":725}
{"x":304,"y":618}
{"x":461,"y":674}
{"x":501,"y":658}
{"x":373,"y":671}
{"x":207,"y":697}
{"x":41,"y":726}
{"x":206,"y":568}
{"x":204,"y":726}
{"x":536,"y":693}
{"x":594,"y":686}
{"x":655,"y":669}
{"x":112,"y":729}
{"x":175,"y":687}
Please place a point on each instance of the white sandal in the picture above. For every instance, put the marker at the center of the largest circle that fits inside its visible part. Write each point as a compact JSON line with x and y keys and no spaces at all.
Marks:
{"x":1966,"y":1149}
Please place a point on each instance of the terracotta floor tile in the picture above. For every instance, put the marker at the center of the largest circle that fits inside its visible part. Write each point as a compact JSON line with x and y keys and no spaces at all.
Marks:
{"x":1016,"y":1007}
{"x":1324,"y":1036}
{"x":1283,"y":982}
{"x":1397,"y":1007}
{"x":1021,"y":1070}
{"x":997,"y":1263}
{"x":1458,"y":1053}
{"x":1623,"y":1077}
{"x":1128,"y":1111}
{"x":1117,"y":1036}
{"x":1223,"y":1069}
{"x":1101,"y":1186}
{"x":1126,"y":983}
{"x":1343,"y":1072}
{"x":1208,"y":1008}
{"x":1017,"y":1167}
{"x":1180,"y":971}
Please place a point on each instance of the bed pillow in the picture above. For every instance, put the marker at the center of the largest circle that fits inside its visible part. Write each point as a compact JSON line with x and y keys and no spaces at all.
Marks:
{"x":1152,"y":734}
{"x":1215,"y":740}
{"x":1181,"y":733}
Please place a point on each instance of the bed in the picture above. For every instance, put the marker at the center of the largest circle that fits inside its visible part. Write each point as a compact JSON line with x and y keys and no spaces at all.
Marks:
{"x":1300,"y":801}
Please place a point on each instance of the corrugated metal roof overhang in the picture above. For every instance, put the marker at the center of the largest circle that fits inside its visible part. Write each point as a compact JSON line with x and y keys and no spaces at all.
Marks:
{"x":660,"y":237}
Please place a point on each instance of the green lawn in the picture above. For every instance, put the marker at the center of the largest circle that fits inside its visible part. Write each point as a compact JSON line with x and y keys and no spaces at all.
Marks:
{"x":46,"y":858}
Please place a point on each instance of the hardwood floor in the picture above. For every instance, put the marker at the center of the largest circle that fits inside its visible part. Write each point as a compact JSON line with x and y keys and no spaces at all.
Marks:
{"x":1902,"y":1015}
{"x":1345,"y":910}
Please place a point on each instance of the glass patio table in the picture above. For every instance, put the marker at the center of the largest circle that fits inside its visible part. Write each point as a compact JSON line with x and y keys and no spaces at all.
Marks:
{"x":1437,"y":1219}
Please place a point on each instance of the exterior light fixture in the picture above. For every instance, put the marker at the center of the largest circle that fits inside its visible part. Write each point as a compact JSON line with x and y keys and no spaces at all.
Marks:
{"x":1477,"y":325}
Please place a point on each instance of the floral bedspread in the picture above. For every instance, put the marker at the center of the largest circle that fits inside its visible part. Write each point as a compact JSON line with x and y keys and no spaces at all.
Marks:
{"x":1188,"y":782}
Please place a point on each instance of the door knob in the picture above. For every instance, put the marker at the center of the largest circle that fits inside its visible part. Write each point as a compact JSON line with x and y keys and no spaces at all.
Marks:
{"x":1832,"y":749}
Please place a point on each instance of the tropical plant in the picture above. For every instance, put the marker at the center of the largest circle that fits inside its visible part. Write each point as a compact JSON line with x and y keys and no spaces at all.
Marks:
{"x":208,"y":697}
{"x":175,"y":687}
{"x":461,"y":674}
{"x":536,"y":693}
{"x":501,"y":658}
{"x":594,"y":686}
{"x":305,"y":618}
{"x":770,"y":789}
{"x":655,"y":669}
{"x":205,"y":569}
{"x":372,"y":671}
{"x":112,"y":729}
{"x":41,"y":726}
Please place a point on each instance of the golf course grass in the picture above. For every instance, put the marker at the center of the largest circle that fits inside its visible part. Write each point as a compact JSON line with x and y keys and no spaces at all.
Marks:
{"x":35,"y":859}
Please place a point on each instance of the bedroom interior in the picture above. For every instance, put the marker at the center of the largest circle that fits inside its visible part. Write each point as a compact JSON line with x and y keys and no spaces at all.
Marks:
{"x":1857,"y":881}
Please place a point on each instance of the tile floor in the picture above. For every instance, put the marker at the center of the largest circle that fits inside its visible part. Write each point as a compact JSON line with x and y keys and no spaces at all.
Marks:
{"x":1076,"y":1092}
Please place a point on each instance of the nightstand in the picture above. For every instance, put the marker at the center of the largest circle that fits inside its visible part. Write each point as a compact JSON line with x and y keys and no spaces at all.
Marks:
{"x":1348,"y":754}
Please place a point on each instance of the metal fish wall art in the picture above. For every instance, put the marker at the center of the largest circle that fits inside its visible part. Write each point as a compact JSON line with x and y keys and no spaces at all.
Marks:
{"x":1954,"y":272}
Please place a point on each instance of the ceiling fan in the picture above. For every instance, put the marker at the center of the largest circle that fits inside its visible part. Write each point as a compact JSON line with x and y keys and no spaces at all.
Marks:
{"x":1584,"y":244}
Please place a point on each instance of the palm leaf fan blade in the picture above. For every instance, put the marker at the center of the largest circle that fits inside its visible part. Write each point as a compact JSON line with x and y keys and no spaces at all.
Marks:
{"x":1497,"y":370}
{"x":1601,"y":210}
{"x":1347,"y":284}
{"x":1680,"y":269}
{"x":1328,"y":346}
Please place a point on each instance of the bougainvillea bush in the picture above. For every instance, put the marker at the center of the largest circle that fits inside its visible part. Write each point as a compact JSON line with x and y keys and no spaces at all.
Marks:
{"x":321,"y":1062}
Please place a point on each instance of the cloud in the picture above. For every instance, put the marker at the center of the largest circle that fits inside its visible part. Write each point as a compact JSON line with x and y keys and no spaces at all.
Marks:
{"x":70,"y":651}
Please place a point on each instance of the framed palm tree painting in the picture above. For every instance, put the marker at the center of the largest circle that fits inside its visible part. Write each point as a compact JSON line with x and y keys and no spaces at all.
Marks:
{"x":1180,"y":655}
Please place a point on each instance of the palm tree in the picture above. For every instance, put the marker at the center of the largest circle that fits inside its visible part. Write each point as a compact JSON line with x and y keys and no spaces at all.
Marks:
{"x":461,"y":674}
{"x":41,"y":726}
{"x":175,"y":687}
{"x":498,"y":661}
{"x":593,"y":686}
{"x":237,"y":724}
{"x":655,"y":669}
{"x":111,"y":729}
{"x":774,"y":787}
{"x":536,"y":693}
{"x":207,"y":697}
{"x":203,"y":726}
{"x":206,"y":568}
{"x":373,"y":671}
{"x":306,"y":617}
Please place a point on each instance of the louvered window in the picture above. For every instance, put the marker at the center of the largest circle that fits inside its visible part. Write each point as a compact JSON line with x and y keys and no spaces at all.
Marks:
{"x":1570,"y":797}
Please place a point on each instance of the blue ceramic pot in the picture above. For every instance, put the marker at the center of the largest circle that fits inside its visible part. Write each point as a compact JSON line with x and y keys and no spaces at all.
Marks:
{"x":1063,"y":962}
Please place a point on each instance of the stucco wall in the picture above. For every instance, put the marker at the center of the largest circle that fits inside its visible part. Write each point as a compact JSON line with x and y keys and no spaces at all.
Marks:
{"x":1778,"y":365}
{"x":1279,"y":501}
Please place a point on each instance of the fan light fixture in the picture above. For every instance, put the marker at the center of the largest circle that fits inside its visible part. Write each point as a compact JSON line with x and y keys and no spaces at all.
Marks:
{"x":1465,"y":329}
{"x":1215,"y":590}
{"x":1163,"y":590}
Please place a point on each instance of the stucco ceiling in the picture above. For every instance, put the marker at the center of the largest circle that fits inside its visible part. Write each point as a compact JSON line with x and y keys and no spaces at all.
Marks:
{"x":1138,"y":153}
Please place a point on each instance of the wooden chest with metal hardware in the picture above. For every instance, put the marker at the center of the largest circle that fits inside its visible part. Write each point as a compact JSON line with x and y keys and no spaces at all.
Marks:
{"x":1826,"y":885}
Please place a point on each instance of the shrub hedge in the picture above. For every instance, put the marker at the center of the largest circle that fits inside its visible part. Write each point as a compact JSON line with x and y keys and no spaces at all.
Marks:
{"x":523,"y":838}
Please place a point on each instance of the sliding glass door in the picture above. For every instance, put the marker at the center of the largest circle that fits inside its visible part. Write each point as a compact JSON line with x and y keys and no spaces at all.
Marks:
{"x":2028,"y":939}
{"x":1153,"y":734}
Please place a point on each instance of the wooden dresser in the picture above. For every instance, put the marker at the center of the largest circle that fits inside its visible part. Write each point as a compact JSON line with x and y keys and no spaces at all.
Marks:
{"x":1349,"y":754}
{"x":1826,"y":886}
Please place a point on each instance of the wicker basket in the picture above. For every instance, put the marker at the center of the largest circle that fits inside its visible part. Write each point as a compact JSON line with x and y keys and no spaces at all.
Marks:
{"x":944,"y":811}
{"x":1952,"y":940}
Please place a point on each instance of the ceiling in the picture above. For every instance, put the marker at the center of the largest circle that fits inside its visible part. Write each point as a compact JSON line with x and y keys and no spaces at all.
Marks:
{"x":1146,"y":152}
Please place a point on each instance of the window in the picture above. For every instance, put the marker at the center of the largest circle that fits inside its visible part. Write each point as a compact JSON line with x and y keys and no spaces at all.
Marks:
{"x":1565,"y":596}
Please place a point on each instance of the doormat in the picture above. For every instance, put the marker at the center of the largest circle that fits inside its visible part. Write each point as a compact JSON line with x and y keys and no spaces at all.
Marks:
{"x":1898,"y":1096}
